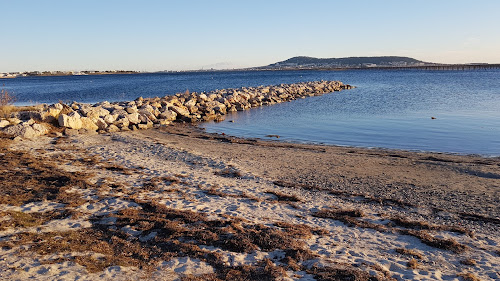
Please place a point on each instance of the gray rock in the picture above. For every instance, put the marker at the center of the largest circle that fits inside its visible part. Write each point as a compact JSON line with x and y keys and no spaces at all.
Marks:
{"x":25,"y":130}
{"x":40,"y":129}
{"x":28,"y":115}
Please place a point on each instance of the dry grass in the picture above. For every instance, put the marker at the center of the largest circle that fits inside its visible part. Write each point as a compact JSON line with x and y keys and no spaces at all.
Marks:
{"x":409,"y":252}
{"x":6,"y":101}
{"x":5,"y":141}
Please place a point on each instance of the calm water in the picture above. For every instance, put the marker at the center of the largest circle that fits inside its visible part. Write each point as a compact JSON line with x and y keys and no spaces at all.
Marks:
{"x":389,"y":108}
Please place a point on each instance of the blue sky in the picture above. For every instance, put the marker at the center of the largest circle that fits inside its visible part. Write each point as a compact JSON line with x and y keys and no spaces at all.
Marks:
{"x":177,"y":35}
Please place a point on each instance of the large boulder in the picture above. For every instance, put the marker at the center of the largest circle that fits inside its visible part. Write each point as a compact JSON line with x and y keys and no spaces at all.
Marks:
{"x":26,"y":130}
{"x":112,"y":128}
{"x":72,"y":120}
{"x":168,"y":115}
{"x":94,"y":112}
{"x":109,"y":119}
{"x":191,"y":102}
{"x":88,"y":124}
{"x":132,"y":109}
{"x":183,"y":111}
{"x":52,"y":112}
{"x":29,"y":115}
{"x":147,"y":114}
{"x":122,"y":123}
{"x":4,"y":123}
{"x":101,"y":124}
{"x":133,"y":118}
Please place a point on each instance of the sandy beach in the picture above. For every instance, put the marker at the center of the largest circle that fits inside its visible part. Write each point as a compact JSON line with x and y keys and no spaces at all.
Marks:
{"x":176,"y":203}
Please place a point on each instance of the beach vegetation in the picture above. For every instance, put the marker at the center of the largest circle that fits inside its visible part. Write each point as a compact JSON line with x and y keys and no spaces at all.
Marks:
{"x":6,"y":101}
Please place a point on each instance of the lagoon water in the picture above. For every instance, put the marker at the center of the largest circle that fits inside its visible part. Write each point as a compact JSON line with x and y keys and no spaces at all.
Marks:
{"x":388,"y":108}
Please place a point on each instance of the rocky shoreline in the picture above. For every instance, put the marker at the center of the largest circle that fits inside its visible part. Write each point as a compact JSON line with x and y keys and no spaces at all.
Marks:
{"x":144,"y":113}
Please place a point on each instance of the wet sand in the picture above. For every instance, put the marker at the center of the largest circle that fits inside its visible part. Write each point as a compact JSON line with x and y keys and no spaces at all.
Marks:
{"x":456,"y":184}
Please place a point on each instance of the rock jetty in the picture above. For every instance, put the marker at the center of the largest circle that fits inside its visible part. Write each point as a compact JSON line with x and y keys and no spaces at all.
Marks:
{"x":143,"y":113}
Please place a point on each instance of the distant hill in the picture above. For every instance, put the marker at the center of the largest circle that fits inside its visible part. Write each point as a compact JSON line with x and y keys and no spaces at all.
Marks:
{"x":350,"y":62}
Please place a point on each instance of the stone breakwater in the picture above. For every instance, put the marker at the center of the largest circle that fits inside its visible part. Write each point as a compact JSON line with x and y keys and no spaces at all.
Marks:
{"x":143,"y":113}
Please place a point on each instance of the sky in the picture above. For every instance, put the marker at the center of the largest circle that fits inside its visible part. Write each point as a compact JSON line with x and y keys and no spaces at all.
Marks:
{"x":152,"y":35}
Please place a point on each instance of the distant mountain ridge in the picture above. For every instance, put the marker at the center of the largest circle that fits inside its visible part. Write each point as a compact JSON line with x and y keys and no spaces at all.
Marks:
{"x":348,"y":62}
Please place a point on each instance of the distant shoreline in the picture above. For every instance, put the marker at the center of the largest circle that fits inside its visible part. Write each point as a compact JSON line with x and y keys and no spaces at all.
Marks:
{"x":444,"y":67}
{"x":63,"y":73}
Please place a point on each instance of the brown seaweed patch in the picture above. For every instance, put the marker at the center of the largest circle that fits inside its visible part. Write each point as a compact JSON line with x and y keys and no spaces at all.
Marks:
{"x":440,"y":243}
{"x":338,"y":213}
{"x":413,"y":264}
{"x":422,"y":225}
{"x":119,"y":168}
{"x":229,"y":173}
{"x":410,"y":252}
{"x":468,"y":276}
{"x":349,"y":217}
{"x":341,"y":272}
{"x":469,"y":262}
{"x":285,"y":197}
{"x":25,"y":178}
{"x":22,"y":219}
